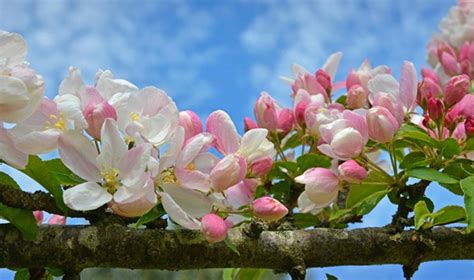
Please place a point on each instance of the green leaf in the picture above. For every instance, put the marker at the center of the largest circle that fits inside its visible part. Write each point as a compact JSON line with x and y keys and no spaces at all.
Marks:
{"x":449,"y":148}
{"x":469,"y":145}
{"x":308,"y":161}
{"x":415,"y":135}
{"x":458,"y":169}
{"x":467,"y":185}
{"x":330,"y":277}
{"x":305,"y":220}
{"x":249,"y":274}
{"x":38,"y":170}
{"x":342,"y":100}
{"x":22,"y":274}
{"x":62,"y":174}
{"x":8,"y":181}
{"x":449,"y":214}
{"x":421,"y":212}
{"x":228,"y":273}
{"x":22,"y":219}
{"x":292,"y":142}
{"x":375,"y":182}
{"x":281,"y":190}
{"x":431,"y":174}
{"x":414,"y":159}
{"x":231,"y":246}
{"x":155,"y":213}
{"x":338,"y":213}
{"x":54,"y":271}
{"x":280,"y":170}
{"x":368,"y":203}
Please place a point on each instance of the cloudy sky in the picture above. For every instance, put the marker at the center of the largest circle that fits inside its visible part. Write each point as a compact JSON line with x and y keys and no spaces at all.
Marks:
{"x":210,"y":54}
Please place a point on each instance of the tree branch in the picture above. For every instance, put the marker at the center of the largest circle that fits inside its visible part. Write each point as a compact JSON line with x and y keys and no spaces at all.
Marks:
{"x":78,"y":247}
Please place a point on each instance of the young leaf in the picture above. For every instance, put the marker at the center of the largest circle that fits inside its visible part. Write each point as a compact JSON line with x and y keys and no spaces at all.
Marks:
{"x":292,"y":142}
{"x":249,"y":274}
{"x":375,"y":182}
{"x":22,"y":274}
{"x":431,"y":174}
{"x":61,"y":173}
{"x":469,"y":146}
{"x":330,"y":277}
{"x":415,"y":135}
{"x":368,"y":203}
{"x":448,"y":214}
{"x":22,"y":219}
{"x":414,"y":159}
{"x":467,"y":185}
{"x":231,"y":246}
{"x":308,"y":161}
{"x":421,"y":212}
{"x":38,"y":171}
{"x":305,"y":220}
{"x":155,"y":213}
{"x":8,"y":181}
{"x":449,"y":147}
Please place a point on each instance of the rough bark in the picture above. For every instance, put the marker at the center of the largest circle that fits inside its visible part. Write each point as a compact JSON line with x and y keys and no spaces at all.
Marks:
{"x":78,"y":247}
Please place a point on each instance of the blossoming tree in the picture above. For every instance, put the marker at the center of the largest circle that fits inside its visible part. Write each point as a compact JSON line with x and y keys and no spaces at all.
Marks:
{"x":160,"y":189}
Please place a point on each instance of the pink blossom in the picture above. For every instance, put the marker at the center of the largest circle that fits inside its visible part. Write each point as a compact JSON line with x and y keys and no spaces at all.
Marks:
{"x":352,"y":172}
{"x":227,"y":172}
{"x":262,"y":166}
{"x":456,"y":88}
{"x":213,"y":228}
{"x":271,"y":116}
{"x":269,"y":209}
{"x":96,"y":112}
{"x":435,"y":108}
{"x":382,"y":124}
{"x":57,"y":220}
{"x":321,"y":189}
{"x":249,"y":124}
{"x":191,"y":123}
{"x":469,"y":126}
{"x":427,"y":89}
{"x":357,"y":97}
{"x":39,"y":216}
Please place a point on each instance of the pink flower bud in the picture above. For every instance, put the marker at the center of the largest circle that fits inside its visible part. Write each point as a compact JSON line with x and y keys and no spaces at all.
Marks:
{"x":262,"y":166}
{"x":38,"y":216}
{"x":57,"y":220}
{"x":249,"y":124}
{"x":469,"y":126}
{"x":461,"y":109}
{"x":269,"y":209}
{"x":227,"y":172}
{"x":382,"y":124}
{"x":321,"y":185}
{"x":352,"y":172}
{"x":392,"y":104}
{"x":324,"y":80}
{"x":429,"y":73}
{"x":427,"y":89}
{"x":95,"y":113}
{"x":357,"y":97}
{"x":271,"y":116}
{"x":467,"y":52}
{"x":309,"y":83}
{"x":456,"y":88}
{"x":352,"y":80}
{"x":214,"y":228}
{"x":191,"y":123}
{"x":450,"y":64}
{"x":435,"y":108}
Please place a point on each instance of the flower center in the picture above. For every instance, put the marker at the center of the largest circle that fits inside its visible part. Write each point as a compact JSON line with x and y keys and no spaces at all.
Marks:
{"x":111,"y":182}
{"x":135,"y":116}
{"x":55,"y":122}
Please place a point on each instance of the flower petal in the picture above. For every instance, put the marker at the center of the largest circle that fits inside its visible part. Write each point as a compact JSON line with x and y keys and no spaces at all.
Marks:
{"x":113,"y":147}
{"x":79,"y":154}
{"x":194,"y":203}
{"x":8,"y":152}
{"x":86,"y":196}
{"x":332,"y":63}
{"x":408,"y":86}
{"x":221,"y":126}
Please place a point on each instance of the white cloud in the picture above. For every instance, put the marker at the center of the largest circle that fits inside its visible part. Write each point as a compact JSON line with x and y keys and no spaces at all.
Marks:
{"x":146,"y":42}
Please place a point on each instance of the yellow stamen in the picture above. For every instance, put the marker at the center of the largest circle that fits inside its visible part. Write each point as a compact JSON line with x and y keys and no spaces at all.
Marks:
{"x":135,"y":116}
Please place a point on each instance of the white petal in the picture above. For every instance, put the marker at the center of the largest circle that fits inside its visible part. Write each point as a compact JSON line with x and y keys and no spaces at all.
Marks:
{"x":113,"y":147}
{"x":177,"y":214}
{"x":171,"y":154}
{"x":194,"y":203}
{"x":383,"y":83}
{"x":252,"y":140}
{"x":73,"y":83}
{"x":8,"y":152}
{"x":70,"y":105}
{"x":332,"y":63}
{"x":86,"y":196}
{"x":14,"y":97}
{"x":306,"y":205}
{"x":79,"y":154}
{"x":12,"y":48}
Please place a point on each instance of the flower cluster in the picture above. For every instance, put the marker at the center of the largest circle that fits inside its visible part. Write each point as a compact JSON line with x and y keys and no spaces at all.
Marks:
{"x":131,"y":150}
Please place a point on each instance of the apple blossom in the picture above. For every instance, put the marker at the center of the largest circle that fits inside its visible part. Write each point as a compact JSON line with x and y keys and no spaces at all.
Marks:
{"x":269,"y":209}
{"x":357,"y":97}
{"x":382,"y":124}
{"x":191,"y":122}
{"x":352,"y":172}
{"x":249,"y":124}
{"x":214,"y":228}
{"x":271,"y":116}
{"x":321,"y":189}
{"x":435,"y":108}
{"x":57,"y":220}
{"x":456,"y":88}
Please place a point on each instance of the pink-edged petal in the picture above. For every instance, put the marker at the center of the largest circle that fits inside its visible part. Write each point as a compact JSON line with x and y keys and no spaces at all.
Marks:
{"x":193,"y":179}
{"x":383,"y":83}
{"x":73,"y":83}
{"x":169,"y":157}
{"x":37,"y":142}
{"x":79,"y":154}
{"x":86,"y":196}
{"x":205,"y":162}
{"x":194,"y":203}
{"x":408,"y":86}
{"x":252,"y":140}
{"x":332,"y":63}
{"x":241,"y":194}
{"x":194,"y":146}
{"x":358,"y":121}
{"x":8,"y":152}
{"x":177,"y":214}
{"x":133,"y":164}
{"x":108,"y":86}
{"x":327,"y":150}
{"x":113,"y":147}
{"x":222,"y":127}
{"x":306,"y":205}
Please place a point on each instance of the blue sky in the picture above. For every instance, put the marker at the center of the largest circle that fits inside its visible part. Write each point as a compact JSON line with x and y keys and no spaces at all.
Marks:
{"x":212,"y":55}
